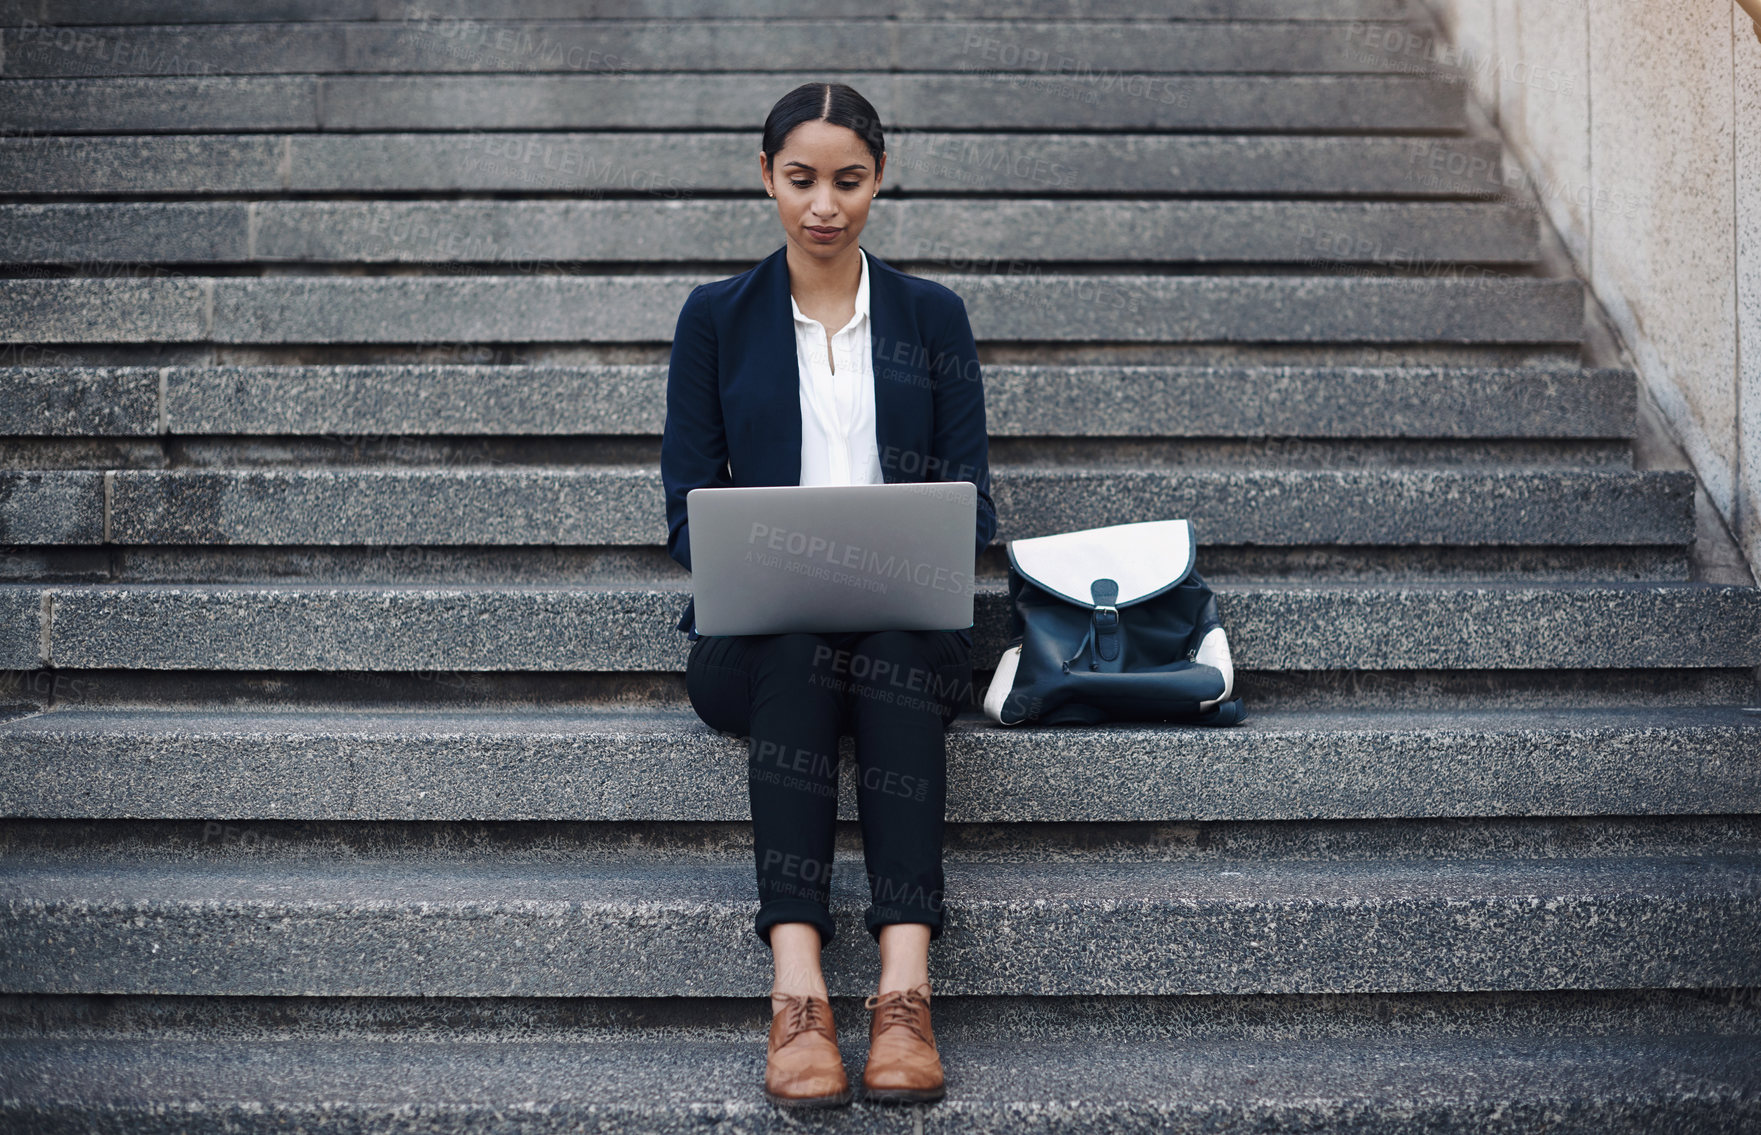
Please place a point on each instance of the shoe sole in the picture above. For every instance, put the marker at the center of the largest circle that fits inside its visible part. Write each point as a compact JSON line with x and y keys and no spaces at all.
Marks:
{"x":844,"y":1097}
{"x":904,"y":1095}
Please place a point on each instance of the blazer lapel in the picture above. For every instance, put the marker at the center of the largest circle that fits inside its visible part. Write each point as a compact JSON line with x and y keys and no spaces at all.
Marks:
{"x":782,"y":459}
{"x":883,"y":324}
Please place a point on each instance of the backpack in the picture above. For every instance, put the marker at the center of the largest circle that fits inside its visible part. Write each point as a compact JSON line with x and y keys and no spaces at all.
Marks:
{"x":1112,"y":624}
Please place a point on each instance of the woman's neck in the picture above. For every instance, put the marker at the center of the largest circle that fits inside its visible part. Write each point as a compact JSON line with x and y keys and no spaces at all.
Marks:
{"x":813,"y":281}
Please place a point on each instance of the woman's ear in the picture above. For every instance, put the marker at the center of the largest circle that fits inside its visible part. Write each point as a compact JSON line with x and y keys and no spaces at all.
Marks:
{"x":764,"y":174}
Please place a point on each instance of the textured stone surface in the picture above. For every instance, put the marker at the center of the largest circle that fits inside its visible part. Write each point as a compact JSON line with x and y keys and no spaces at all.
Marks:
{"x":985,"y":234}
{"x":43,"y":401}
{"x":1021,"y":843}
{"x":1150,"y":43}
{"x":417,"y":400}
{"x":549,"y":924}
{"x":432,"y":565}
{"x":621,"y":504}
{"x":93,"y":310}
{"x":1420,"y":166}
{"x":600,"y":101}
{"x":311,"y":46}
{"x":666,"y":165}
{"x":1020,"y":400}
{"x":1170,"y":1018}
{"x":406,"y":763}
{"x":106,"y":233}
{"x":1618,"y":1085}
{"x":21,"y":628}
{"x":558,"y":308}
{"x":1362,"y":627}
{"x":1180,"y":102}
{"x":180,"y":103}
{"x":41,"y":507}
{"x":246,"y":11}
{"x":1431,"y":402}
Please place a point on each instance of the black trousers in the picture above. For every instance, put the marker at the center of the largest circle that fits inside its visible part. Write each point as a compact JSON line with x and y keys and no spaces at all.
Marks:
{"x":794,"y":694}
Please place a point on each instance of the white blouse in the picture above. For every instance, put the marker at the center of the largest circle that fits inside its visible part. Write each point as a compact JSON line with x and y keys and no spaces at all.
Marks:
{"x":838,"y":444}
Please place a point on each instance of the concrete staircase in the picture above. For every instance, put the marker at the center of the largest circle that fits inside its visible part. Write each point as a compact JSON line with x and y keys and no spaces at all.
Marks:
{"x":347,"y":775}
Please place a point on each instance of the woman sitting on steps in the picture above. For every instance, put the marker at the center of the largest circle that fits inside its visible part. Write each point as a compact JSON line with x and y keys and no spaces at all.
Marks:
{"x":752,"y":356}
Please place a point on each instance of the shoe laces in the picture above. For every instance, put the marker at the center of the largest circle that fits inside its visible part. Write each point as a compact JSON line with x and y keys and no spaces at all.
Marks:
{"x":902,"y":1007}
{"x":804,"y":1012}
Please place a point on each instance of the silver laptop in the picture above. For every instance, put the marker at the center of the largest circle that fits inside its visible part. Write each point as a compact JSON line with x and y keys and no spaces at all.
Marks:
{"x":772,"y":559}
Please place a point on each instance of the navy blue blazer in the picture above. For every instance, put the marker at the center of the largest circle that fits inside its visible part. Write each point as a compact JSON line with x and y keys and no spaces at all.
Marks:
{"x":733,"y":398}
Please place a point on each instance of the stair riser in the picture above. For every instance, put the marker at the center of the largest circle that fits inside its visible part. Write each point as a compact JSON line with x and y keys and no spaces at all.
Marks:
{"x":597,"y":101}
{"x":1117,"y":456}
{"x":430,"y":946}
{"x":1699,"y":692}
{"x":646,"y":166}
{"x":1592,"y":1085}
{"x":391,"y":408}
{"x":1080,"y":55}
{"x":325,"y":766}
{"x":643,"y":309}
{"x":983,"y":237}
{"x":959,"y":1021}
{"x":1184,"y":858}
{"x":16,"y":12}
{"x":625,"y":506}
{"x":1270,"y":628}
{"x":509,"y":566}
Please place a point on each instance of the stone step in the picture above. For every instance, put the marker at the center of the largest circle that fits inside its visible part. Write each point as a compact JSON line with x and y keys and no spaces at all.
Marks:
{"x":625,"y":505}
{"x":87,"y":12}
{"x":1020,"y":400}
{"x":453,"y":566}
{"x":1078,"y":55}
{"x":467,"y":918}
{"x":1263,"y":1018}
{"x":1418,"y":691}
{"x":1595,"y":1085}
{"x":661,"y":763}
{"x":727,"y":101}
{"x":670,"y":165}
{"x":986,"y":236}
{"x":603,"y":627}
{"x":1040,"y":307}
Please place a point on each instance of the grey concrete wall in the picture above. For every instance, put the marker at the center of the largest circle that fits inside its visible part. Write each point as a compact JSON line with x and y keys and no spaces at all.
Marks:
{"x":1638,"y":123}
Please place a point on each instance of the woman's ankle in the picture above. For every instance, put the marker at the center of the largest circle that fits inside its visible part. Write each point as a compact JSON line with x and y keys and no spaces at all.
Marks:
{"x":889,"y":983}
{"x":797,"y":989}
{"x":799,"y":980}
{"x":795,"y":955}
{"x":904,"y":950}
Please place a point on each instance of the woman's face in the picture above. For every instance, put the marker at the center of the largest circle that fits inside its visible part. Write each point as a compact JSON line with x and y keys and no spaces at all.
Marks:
{"x":824,"y":179}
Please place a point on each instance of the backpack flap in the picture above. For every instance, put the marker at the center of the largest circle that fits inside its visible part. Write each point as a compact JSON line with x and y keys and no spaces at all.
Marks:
{"x":1141,"y":560}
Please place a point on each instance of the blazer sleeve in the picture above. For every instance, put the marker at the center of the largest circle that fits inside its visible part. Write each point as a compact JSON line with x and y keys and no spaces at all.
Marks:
{"x":694,"y":442}
{"x":960,"y":442}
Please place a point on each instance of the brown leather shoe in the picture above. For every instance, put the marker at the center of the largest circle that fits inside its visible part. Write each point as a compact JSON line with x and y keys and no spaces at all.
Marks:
{"x":903,"y":1063}
{"x":802,"y":1067}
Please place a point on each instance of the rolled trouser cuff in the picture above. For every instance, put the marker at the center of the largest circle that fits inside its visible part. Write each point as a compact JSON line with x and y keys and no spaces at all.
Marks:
{"x":879,"y":916}
{"x":774,"y":911}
